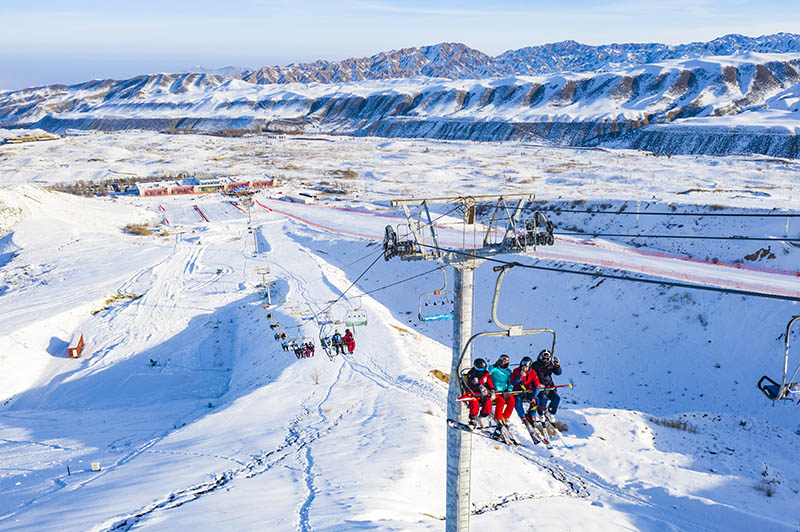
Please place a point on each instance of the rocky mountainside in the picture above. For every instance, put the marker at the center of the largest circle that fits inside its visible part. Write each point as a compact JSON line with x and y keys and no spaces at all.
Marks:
{"x":457,"y":61}
{"x":736,"y":104}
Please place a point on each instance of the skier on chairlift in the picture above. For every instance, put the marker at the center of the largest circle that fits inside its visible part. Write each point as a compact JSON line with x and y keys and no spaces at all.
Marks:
{"x":480,"y":385}
{"x":503,"y":399}
{"x":349,"y":341}
{"x":546,"y":366}
{"x":525,"y":380}
{"x":338,"y":346}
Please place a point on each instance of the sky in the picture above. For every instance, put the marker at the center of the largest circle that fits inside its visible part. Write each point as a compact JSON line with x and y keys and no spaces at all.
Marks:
{"x":47,"y":41}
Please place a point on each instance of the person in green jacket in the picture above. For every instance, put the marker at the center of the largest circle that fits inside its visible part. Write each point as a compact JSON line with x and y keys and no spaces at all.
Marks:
{"x":503,"y":399}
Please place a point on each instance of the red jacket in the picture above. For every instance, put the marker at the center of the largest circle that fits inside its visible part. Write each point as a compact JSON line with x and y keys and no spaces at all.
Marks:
{"x":529,"y":381}
{"x":475,"y":379}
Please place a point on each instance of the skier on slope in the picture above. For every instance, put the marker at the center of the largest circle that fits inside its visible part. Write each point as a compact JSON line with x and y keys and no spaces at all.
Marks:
{"x":479,"y":383}
{"x":337,"y":343}
{"x":526,"y":381}
{"x":349,"y":341}
{"x":504,"y":401}
{"x":546,"y":366}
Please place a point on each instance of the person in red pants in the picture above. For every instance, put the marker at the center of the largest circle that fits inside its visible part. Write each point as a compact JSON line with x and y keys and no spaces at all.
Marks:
{"x":479,"y":383}
{"x":504,"y":400}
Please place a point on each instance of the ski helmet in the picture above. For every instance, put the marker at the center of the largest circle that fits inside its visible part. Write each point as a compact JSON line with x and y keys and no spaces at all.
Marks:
{"x":545,"y":356}
{"x":346,"y":331}
{"x":525,"y":362}
{"x":480,"y":364}
{"x":502,"y":361}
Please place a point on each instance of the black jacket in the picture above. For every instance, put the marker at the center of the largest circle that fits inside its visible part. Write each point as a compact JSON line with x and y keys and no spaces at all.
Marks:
{"x":546,"y":372}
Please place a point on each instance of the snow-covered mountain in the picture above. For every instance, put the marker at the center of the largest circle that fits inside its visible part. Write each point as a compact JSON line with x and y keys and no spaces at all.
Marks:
{"x":458,"y":61}
{"x":730,"y":104}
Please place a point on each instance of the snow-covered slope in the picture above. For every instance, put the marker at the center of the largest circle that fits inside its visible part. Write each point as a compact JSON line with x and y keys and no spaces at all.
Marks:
{"x":736,"y":104}
{"x":199,"y":420}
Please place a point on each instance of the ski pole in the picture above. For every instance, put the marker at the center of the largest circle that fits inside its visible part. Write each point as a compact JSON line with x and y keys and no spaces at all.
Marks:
{"x":468,"y":397}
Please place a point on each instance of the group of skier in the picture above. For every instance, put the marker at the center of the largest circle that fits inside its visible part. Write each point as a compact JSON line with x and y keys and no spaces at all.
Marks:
{"x":303,"y":350}
{"x":530,"y":382}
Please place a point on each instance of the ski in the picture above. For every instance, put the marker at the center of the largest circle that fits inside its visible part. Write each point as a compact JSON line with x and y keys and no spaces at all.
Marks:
{"x":510,"y":435}
{"x":546,"y":424}
{"x":501,"y":436}
{"x":478,"y":431}
{"x":536,"y":436}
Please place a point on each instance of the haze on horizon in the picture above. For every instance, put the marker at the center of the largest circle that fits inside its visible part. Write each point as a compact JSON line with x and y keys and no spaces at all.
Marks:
{"x":51,"y":42}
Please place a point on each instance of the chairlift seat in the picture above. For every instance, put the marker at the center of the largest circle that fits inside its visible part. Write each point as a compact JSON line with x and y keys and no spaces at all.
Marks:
{"x":786,"y":389}
{"x":773,"y":389}
{"x":436,"y":305}
{"x":355,"y":317}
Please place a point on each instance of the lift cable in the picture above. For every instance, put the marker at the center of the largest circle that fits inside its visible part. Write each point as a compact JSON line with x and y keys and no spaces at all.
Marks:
{"x":312,"y":318}
{"x":673,"y":237}
{"x":597,"y":274}
{"x":687,"y":237}
{"x":665,"y":213}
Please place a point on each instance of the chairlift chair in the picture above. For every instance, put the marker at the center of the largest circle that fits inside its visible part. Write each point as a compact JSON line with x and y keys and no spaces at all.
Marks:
{"x":356,"y":315}
{"x":300,"y":342}
{"x":394,"y":246}
{"x":325,"y":340}
{"x":436,"y":305}
{"x":324,"y":318}
{"x":503,"y":330}
{"x":539,"y":230}
{"x":336,"y":312}
{"x":788,"y":387}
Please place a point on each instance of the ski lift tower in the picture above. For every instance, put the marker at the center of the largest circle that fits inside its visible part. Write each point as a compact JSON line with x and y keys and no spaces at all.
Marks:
{"x":464,"y":247}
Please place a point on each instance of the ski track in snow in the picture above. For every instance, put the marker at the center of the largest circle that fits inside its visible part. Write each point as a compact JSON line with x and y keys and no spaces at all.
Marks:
{"x":294,"y":442}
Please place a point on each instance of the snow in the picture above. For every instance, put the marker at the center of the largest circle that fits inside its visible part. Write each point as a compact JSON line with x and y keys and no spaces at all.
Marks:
{"x":200,"y":421}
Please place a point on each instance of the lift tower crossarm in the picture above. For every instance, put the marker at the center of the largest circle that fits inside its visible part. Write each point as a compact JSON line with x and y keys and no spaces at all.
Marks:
{"x":458,"y":199}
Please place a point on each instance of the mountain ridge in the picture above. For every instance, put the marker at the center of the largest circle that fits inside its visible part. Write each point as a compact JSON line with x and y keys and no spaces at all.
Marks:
{"x":745,"y":104}
{"x":458,"y":61}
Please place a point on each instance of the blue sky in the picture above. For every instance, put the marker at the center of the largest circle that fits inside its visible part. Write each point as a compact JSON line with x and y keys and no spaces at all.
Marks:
{"x":45,"y":41}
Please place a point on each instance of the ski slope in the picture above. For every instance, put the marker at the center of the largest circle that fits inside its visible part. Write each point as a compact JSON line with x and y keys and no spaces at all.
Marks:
{"x":199,"y":420}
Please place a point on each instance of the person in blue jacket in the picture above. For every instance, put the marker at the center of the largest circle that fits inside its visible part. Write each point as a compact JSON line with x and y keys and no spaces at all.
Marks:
{"x":503,"y":399}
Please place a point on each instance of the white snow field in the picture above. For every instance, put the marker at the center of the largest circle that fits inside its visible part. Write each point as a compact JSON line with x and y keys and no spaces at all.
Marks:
{"x":199,"y":421}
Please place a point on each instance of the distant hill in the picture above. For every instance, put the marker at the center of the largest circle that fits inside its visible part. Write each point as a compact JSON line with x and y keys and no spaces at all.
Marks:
{"x":458,"y":61}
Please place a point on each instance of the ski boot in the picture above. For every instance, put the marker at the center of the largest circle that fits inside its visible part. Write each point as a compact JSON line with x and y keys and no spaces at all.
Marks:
{"x":498,"y":434}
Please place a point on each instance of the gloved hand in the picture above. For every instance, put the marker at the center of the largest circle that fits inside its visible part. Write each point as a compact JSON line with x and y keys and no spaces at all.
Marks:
{"x":555,"y":361}
{"x":484,"y":391}
{"x":506,"y":394}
